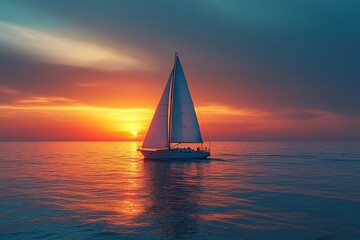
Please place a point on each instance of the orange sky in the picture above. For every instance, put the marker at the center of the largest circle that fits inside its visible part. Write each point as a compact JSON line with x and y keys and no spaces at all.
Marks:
{"x":63,"y":119}
{"x":118,"y":106}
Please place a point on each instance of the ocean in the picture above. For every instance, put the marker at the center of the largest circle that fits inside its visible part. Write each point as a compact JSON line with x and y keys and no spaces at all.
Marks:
{"x":245,"y":190}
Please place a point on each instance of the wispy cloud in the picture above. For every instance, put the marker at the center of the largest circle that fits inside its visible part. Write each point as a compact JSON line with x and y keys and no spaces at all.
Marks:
{"x":65,"y":50}
{"x":61,"y":104}
{"x":7,"y":90}
{"x":89,"y":84}
{"x":226,"y":110}
{"x":44,"y":101}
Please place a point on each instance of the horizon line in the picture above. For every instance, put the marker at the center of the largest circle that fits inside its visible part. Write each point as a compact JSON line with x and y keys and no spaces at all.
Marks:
{"x":330,"y":140}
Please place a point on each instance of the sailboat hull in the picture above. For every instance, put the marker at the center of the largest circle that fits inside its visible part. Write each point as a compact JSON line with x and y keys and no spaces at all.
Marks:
{"x":175,"y":153}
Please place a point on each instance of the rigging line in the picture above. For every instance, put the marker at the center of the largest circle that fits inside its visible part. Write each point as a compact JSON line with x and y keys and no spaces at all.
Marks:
{"x":203,"y":124}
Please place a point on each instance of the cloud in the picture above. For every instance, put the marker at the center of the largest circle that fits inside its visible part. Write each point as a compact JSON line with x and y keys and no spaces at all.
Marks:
{"x":89,"y":84}
{"x":44,"y":101}
{"x":220,"y":110}
{"x":64,"y":50}
{"x":7,"y":90}
{"x":299,"y":114}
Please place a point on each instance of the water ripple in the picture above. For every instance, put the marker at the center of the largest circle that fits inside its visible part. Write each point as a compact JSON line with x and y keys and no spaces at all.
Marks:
{"x":244,"y":191}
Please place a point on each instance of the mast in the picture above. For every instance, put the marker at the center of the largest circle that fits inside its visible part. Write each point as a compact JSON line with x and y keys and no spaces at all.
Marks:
{"x":171,"y":99}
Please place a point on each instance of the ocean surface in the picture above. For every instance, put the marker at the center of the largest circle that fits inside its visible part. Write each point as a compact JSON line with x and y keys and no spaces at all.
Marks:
{"x":246,"y":190}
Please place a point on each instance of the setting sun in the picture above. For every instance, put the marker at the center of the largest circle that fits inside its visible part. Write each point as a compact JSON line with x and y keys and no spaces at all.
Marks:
{"x":135,"y":133}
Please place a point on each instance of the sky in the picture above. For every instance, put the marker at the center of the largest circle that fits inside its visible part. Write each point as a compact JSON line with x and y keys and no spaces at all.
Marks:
{"x":258,"y":70}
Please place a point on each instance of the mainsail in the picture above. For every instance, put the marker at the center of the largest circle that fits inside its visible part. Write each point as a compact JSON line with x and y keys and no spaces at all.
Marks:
{"x":184,"y":124}
{"x":175,"y":119}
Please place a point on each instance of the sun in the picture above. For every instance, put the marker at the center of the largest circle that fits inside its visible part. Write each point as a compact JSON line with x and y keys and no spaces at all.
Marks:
{"x":135,"y":133}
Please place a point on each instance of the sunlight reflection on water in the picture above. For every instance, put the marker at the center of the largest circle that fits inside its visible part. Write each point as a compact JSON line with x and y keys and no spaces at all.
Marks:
{"x":246,"y":190}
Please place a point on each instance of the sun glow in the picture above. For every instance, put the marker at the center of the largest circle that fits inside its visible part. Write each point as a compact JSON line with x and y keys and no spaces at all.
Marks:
{"x":100,"y":123}
{"x":59,"y":118}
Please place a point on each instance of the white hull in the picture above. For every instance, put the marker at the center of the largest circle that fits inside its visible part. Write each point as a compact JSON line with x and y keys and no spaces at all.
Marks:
{"x":174,"y":153}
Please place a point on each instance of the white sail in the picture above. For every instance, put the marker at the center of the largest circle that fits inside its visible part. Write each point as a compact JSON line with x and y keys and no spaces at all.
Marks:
{"x":184,"y":124}
{"x":157,"y":135}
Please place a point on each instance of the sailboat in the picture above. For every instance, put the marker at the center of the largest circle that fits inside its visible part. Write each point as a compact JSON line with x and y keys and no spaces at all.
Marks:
{"x":174,"y":122}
